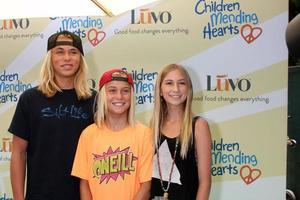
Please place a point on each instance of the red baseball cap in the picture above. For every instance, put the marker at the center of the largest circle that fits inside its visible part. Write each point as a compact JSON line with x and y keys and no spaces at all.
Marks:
{"x":115,"y":75}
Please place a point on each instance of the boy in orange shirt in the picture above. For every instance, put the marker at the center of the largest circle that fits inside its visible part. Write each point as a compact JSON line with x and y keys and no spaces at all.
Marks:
{"x":114,"y":155}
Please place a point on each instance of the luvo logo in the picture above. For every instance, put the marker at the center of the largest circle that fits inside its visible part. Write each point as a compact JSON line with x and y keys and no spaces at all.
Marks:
{"x":9,"y":24}
{"x":223,"y":83}
{"x":146,"y":16}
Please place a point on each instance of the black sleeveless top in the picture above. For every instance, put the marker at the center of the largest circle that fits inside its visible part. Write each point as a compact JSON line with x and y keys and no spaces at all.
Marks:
{"x":184,"y":182}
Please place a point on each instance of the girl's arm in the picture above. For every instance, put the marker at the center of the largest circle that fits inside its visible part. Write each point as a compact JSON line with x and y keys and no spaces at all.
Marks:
{"x":203,"y":149}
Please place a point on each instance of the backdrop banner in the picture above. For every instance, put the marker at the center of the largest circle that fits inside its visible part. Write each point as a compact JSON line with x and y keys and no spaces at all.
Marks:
{"x":235,"y":52}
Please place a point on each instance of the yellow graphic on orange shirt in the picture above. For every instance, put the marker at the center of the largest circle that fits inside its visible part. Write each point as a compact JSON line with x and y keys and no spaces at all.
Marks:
{"x":112,"y":164}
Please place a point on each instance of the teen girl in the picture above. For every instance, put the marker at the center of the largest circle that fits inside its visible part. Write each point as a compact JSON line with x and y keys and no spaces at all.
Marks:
{"x":182,"y":141}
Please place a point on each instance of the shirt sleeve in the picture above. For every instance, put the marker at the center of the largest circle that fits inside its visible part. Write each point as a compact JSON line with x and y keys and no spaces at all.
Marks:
{"x":145,"y":169}
{"x":80,"y":164}
{"x":20,"y":124}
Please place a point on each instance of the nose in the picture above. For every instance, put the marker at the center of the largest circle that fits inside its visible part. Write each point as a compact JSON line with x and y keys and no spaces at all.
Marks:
{"x":67,"y":56}
{"x":119,"y":94}
{"x":176,"y":87}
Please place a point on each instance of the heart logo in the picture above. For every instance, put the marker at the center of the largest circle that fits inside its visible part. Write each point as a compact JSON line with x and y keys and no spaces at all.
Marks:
{"x":95,"y":37}
{"x":249,"y":175}
{"x":250,"y":33}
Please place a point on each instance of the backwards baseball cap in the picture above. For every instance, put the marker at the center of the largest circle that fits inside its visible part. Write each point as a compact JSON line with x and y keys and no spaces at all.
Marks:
{"x":115,"y":75}
{"x":76,"y":41}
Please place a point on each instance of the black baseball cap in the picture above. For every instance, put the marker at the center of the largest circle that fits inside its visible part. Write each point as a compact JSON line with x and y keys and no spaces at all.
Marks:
{"x":52,"y":41}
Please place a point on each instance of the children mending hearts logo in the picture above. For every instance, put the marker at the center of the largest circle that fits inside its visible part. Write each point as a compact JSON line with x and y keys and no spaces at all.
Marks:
{"x":249,"y":175}
{"x":95,"y":37}
{"x":250,"y":33}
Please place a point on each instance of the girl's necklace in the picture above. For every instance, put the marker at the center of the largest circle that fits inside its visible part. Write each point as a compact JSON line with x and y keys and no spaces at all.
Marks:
{"x":165,"y":197}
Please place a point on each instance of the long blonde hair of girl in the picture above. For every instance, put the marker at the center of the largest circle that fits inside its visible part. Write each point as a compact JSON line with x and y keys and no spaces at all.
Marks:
{"x":160,"y":110}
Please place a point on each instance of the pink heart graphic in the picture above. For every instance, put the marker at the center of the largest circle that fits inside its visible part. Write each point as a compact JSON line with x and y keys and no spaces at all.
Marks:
{"x":249,"y":175}
{"x":250,"y":33}
{"x":95,"y":37}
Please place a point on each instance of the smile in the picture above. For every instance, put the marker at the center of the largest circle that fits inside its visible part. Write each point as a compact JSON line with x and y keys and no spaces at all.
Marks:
{"x":175,"y":96}
{"x":118,"y":104}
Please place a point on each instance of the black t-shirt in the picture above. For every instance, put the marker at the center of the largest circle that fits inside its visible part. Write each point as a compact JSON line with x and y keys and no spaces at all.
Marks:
{"x":184,"y":182}
{"x":52,"y":127}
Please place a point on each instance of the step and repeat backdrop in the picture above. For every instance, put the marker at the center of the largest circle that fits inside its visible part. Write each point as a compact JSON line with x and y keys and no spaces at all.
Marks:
{"x":235,"y":52}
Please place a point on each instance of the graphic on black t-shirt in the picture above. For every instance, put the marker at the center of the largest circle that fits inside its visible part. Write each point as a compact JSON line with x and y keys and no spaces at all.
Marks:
{"x":70,"y":111}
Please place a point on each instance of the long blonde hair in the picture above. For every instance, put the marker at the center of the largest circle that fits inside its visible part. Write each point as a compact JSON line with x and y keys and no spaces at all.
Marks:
{"x":160,"y":111}
{"x":49,"y":87}
{"x":101,"y":110}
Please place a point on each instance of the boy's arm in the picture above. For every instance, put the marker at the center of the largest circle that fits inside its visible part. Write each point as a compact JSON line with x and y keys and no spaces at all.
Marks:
{"x":18,"y":167}
{"x":144,"y":191}
{"x":85,"y":192}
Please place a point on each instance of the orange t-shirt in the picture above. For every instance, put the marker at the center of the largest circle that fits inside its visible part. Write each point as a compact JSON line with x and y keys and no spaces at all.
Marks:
{"x":114,"y":163}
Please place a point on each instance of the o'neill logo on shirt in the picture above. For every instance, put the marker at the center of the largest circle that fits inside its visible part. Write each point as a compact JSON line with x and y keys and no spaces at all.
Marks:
{"x":112,"y":164}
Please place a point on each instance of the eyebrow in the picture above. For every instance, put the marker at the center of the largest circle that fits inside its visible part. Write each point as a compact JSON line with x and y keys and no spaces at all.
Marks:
{"x":112,"y":86}
{"x":71,"y":49}
{"x":183,"y":79}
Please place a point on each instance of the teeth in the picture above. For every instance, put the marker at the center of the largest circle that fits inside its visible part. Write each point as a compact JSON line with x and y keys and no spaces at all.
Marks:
{"x":67,"y":66}
{"x":118,"y":104}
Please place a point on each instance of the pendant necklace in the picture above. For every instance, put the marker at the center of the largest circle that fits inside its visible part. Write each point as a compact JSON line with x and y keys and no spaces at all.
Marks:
{"x":165,"y":197}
